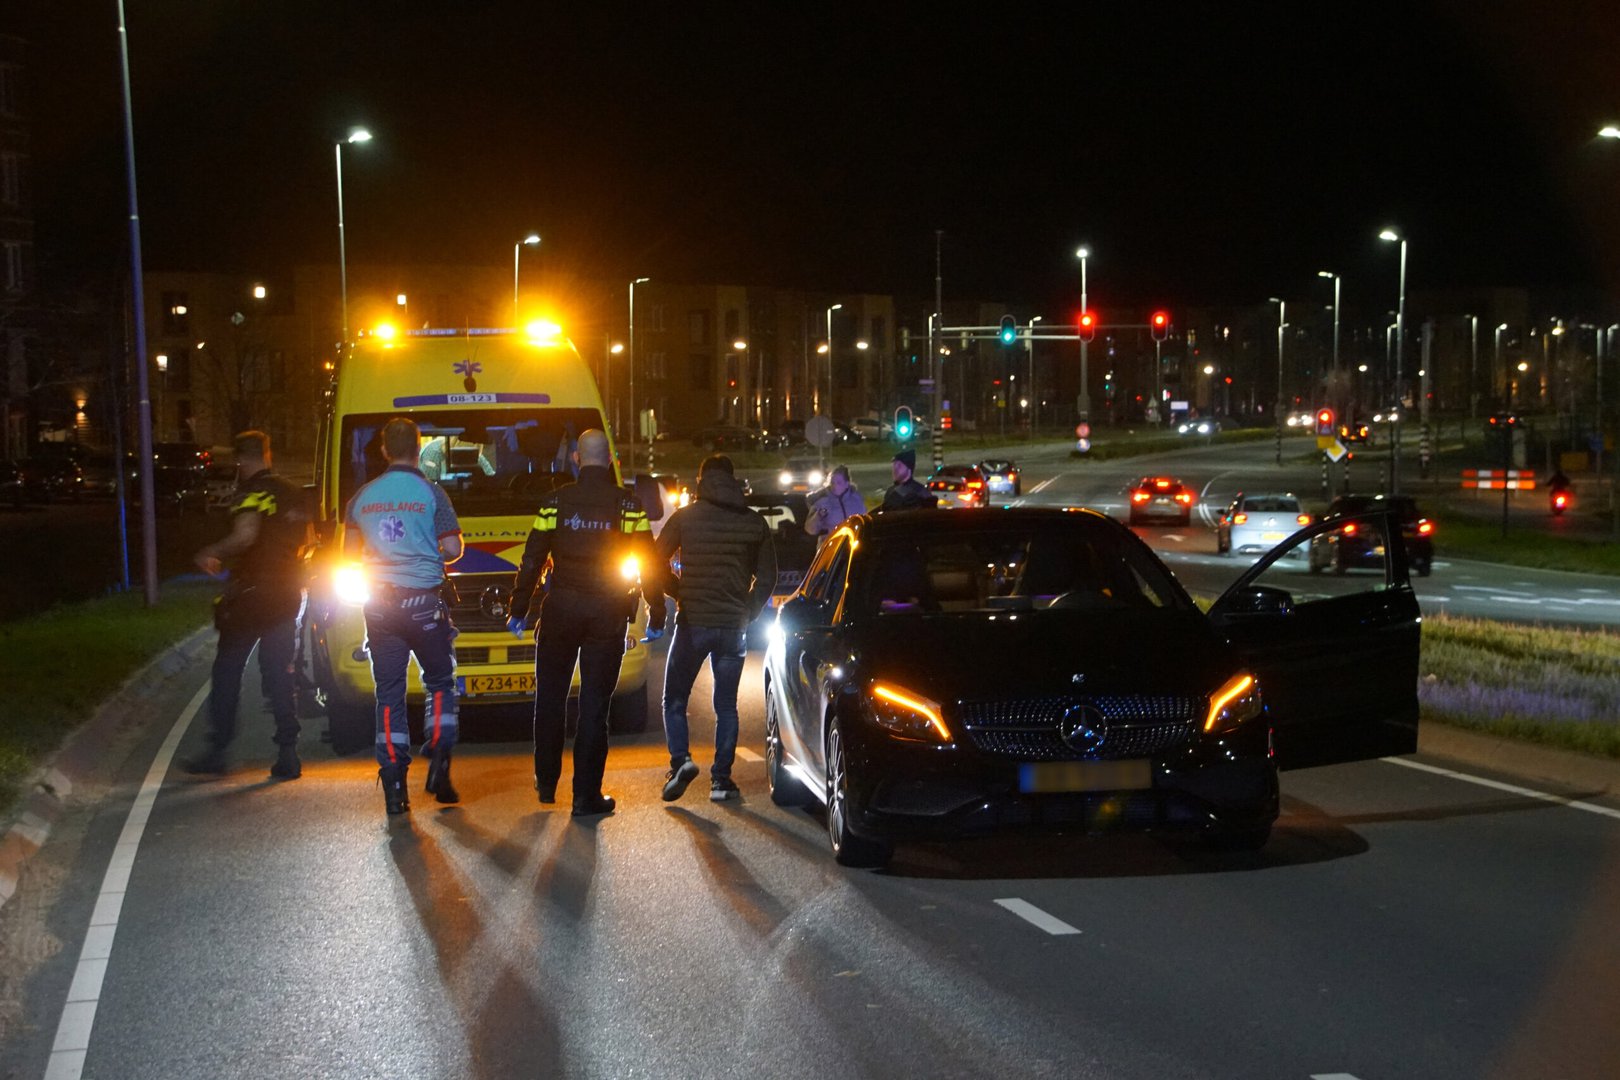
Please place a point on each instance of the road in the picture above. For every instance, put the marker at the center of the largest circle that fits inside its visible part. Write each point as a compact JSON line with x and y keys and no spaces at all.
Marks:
{"x":1402,"y":923}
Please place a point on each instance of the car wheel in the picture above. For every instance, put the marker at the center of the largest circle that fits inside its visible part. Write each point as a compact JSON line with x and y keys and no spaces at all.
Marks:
{"x":1135,"y":520}
{"x":1422,"y":568}
{"x":785,"y":787}
{"x":1223,"y":545}
{"x":352,"y":725}
{"x":848,"y":849}
{"x":1340,"y":563}
{"x":1252,"y":838}
{"x":1018,"y":488}
{"x":627,"y":713}
{"x":1186,"y":520}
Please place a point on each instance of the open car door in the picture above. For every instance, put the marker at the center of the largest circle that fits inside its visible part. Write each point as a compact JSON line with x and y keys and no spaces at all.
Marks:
{"x":1336,"y":656}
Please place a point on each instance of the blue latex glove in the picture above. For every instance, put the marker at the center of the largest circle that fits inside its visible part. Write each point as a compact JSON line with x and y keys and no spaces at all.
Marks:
{"x":653,"y":635}
{"x":515,"y":625}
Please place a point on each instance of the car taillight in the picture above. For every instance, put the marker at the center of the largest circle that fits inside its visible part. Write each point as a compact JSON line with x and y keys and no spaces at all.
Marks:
{"x":1560,"y":499}
{"x":1425,"y":528}
{"x":1184,"y":497}
{"x":1303,"y":519}
{"x":1139,"y":496}
{"x":1238,"y":519}
{"x":1349,"y":530}
{"x":975,"y":484}
{"x":1161,"y":484}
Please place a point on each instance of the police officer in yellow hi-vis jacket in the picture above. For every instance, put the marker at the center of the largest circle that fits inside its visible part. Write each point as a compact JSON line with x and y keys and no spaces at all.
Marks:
{"x":595,"y":534}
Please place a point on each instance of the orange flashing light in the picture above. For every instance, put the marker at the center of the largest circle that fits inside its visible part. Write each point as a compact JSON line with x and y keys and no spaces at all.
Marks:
{"x":1236,"y":688}
{"x":925,"y":709}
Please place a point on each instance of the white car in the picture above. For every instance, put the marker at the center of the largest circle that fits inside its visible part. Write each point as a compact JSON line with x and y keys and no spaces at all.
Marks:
{"x":872,"y":427}
{"x":1257,"y":523}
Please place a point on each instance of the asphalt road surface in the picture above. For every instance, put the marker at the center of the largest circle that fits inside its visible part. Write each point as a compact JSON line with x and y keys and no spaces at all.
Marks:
{"x":1401,"y":923}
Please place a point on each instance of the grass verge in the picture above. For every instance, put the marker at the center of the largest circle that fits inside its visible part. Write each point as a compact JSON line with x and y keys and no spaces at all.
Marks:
{"x":58,"y":666}
{"x":1560,"y":688}
{"x":1468,"y":538}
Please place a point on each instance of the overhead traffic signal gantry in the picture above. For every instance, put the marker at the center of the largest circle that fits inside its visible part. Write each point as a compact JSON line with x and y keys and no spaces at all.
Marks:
{"x":1160,"y":325}
{"x":1088,"y":325}
{"x":1009,"y":330}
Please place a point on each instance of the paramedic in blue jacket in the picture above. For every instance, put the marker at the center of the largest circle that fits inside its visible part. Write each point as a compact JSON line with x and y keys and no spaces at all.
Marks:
{"x":405,"y":530}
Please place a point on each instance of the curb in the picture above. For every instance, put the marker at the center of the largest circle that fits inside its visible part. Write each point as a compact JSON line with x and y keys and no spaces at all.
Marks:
{"x":80,"y":764}
{"x":1524,"y":760}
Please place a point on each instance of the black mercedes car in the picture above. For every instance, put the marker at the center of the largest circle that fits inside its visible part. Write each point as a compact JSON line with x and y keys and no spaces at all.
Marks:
{"x":1114,"y":700}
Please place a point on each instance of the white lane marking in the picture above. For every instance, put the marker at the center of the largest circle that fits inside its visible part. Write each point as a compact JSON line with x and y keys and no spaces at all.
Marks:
{"x":1040,"y":487}
{"x":79,"y":1012}
{"x":1495,"y":589}
{"x":1513,"y":789}
{"x":1332,"y":1076}
{"x":747,"y":754}
{"x":1034,"y":915}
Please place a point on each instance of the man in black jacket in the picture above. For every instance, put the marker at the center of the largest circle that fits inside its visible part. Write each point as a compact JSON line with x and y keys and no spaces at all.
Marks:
{"x":589,"y":530}
{"x":260,"y":605}
{"x":728,"y":569}
{"x":907,"y":493}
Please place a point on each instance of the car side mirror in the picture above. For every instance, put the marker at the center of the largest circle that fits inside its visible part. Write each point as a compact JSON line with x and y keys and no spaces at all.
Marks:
{"x":801,"y":612}
{"x":1259,"y":600}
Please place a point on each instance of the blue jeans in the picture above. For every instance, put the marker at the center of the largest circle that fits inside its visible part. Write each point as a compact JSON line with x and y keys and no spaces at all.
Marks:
{"x":400,"y":622}
{"x":726,"y":649}
{"x":276,"y":643}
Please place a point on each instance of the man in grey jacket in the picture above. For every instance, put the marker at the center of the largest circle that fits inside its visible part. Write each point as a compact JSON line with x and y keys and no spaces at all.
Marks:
{"x":728,"y":569}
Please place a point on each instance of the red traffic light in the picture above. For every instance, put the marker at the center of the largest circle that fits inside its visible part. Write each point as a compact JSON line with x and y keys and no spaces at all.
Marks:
{"x":1088,"y":325}
{"x":1324,"y":421}
{"x":1160,"y":325}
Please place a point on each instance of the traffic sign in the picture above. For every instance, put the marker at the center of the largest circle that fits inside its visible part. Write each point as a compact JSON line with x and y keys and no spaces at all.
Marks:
{"x":819,"y":431}
{"x":1335,"y":449}
{"x":1082,"y":430}
{"x":1082,"y":445}
{"x":1323,"y":442}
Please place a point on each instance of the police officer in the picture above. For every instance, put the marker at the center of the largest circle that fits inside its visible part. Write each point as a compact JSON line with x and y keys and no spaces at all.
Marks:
{"x":406,"y":531}
{"x":260,"y":605}
{"x":588,"y":530}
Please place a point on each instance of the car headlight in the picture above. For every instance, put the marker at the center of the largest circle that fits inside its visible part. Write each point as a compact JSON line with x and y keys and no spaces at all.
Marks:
{"x":907,"y":715}
{"x":785,"y":479}
{"x":350,"y":584}
{"x":816,"y":478}
{"x":1237,"y":701}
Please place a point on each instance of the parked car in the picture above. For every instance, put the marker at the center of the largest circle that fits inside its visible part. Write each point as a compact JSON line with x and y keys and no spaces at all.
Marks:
{"x":1001,"y":477}
{"x":13,"y":483}
{"x":1156,"y":498}
{"x":1354,"y":546}
{"x":959,"y":487}
{"x":786,"y":515}
{"x":873,"y":428}
{"x":1113,"y":702}
{"x":1256,"y":523}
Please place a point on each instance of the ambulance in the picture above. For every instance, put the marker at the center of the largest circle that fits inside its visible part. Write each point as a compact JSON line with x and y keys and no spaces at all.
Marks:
{"x":499,"y":411}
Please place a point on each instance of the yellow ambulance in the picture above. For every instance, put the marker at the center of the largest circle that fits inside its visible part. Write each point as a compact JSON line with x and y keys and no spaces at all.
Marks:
{"x":499,"y":411}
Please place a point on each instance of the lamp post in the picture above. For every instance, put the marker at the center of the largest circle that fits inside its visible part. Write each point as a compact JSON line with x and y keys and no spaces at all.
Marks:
{"x":830,"y":310}
{"x":740,"y":345}
{"x":1392,"y":236}
{"x":517,"y":248}
{"x":1473,"y":366}
{"x":1496,"y":363}
{"x":1084,"y":253}
{"x":610,"y":349}
{"x":1282,"y":321}
{"x":1029,"y":391}
{"x":357,"y":135}
{"x":635,"y":414}
{"x":1337,"y":282}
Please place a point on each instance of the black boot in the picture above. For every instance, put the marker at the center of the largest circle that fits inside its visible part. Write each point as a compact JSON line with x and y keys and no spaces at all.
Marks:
{"x":438,"y":777}
{"x":210,"y":763}
{"x":591,"y":805}
{"x":287,"y":766}
{"x":395,"y":796}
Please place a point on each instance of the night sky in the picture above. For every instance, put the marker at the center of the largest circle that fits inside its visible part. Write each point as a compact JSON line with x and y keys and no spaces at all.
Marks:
{"x":1208,"y":153}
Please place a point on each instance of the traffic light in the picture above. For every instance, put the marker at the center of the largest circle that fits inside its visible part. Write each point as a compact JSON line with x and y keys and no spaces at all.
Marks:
{"x":1088,"y":325}
{"x":1009,"y":330}
{"x":902,"y":423}
{"x":1160,"y":325}
{"x":1324,"y":421}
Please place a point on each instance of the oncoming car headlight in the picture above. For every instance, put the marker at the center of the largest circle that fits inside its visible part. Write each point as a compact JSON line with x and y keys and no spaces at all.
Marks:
{"x":1237,"y":701}
{"x":785,"y":479}
{"x":815,"y":478}
{"x":907,"y":715}
{"x":350,"y":584}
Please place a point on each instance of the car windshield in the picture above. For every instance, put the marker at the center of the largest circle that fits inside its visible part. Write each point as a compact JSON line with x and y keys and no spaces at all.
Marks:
{"x":491,"y":461}
{"x":1051,"y":567}
{"x":1271,"y":504}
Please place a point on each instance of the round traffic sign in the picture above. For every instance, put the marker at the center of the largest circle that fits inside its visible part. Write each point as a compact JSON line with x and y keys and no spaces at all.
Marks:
{"x":819,"y":431}
{"x":1082,"y":445}
{"x":1083,"y":430}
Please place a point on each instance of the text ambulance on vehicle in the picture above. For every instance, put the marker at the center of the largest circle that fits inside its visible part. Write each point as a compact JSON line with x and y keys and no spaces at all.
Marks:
{"x":499,"y":412}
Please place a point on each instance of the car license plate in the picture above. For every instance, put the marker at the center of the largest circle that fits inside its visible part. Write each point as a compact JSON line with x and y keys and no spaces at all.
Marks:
{"x":1047,"y":776}
{"x":474,"y":685}
{"x":1272,"y":538}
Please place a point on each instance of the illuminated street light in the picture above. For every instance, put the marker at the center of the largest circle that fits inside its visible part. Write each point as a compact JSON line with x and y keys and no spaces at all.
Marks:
{"x":635,"y":416}
{"x":531,"y":240}
{"x":1282,"y":322}
{"x":259,"y":292}
{"x":356,"y":135}
{"x":1391,"y":236}
{"x":1083,"y":254}
{"x":400,"y":299}
{"x":1609,"y":132}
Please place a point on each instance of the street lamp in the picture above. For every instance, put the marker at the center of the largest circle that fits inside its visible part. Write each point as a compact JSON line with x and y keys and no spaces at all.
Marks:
{"x":533,"y":239}
{"x":1496,"y":364}
{"x":1473,"y":366}
{"x":1391,"y":236}
{"x":635,"y":416}
{"x":1282,"y":321}
{"x":1029,"y":343}
{"x":830,"y":310}
{"x":1337,"y":281}
{"x":356,"y":135}
{"x":1084,"y":253}
{"x":1609,"y":132}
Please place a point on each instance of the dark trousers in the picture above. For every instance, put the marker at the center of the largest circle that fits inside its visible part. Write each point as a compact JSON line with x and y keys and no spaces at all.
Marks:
{"x":400,"y":622}
{"x":726,"y":650}
{"x":276,"y":643}
{"x":587,"y":630}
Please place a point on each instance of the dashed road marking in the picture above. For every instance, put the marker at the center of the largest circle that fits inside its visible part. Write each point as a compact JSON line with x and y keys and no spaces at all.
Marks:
{"x":79,"y":1012}
{"x":1332,"y":1076}
{"x":1036,"y":917}
{"x":1514,"y":789}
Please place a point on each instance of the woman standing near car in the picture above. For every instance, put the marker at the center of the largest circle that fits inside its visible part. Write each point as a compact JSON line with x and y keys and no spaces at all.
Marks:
{"x":839,"y":502}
